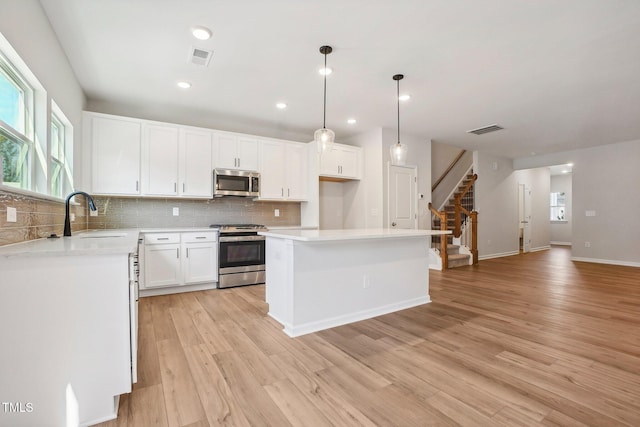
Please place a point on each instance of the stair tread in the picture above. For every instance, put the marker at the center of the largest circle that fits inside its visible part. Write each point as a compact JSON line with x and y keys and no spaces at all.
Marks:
{"x":458,"y":256}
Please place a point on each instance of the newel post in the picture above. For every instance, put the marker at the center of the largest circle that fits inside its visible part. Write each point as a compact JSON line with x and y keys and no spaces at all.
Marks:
{"x":474,"y":236}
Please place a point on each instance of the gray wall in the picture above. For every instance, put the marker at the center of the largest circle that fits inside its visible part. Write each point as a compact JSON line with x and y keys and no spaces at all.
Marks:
{"x":605,"y":180}
{"x":561,"y":231}
{"x":497,"y":205}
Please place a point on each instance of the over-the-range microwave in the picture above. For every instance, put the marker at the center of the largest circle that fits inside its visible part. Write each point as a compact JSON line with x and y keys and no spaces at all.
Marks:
{"x":229,"y":182}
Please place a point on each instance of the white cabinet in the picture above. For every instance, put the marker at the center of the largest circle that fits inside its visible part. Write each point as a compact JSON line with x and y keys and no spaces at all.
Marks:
{"x":177,"y":259}
{"x":176,"y":161}
{"x":341,"y":162}
{"x":160,"y":160}
{"x":195,"y":177}
{"x":116,"y":145}
{"x":283,"y":171}
{"x":236,"y":152}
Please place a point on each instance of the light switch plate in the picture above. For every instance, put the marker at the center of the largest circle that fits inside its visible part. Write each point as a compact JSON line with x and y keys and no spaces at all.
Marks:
{"x":589,"y":213}
{"x":276,"y":212}
{"x":176,"y":211}
{"x":12,"y":215}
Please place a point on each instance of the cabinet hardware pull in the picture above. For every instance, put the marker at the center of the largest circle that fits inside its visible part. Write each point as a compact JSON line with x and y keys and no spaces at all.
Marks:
{"x":187,"y":252}
{"x":282,"y":192}
{"x":177,"y":252}
{"x":288,"y":192}
{"x":136,"y":185}
{"x":201,"y":237}
{"x":163,"y":238}
{"x":175,"y":187}
{"x":183,"y":186}
{"x":238,"y":161}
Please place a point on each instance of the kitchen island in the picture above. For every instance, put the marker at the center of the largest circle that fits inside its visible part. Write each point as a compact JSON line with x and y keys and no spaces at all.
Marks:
{"x":319,"y":279}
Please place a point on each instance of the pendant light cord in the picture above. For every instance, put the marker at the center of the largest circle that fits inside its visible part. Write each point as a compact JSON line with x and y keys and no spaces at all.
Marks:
{"x":398,"y":98}
{"x":324,"y":113}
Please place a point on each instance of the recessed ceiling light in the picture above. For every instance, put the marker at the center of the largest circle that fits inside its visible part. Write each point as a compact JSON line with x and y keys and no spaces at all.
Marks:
{"x":404,"y":97}
{"x":325,"y":71}
{"x":351,"y":121}
{"x":184,"y":85}
{"x":281,"y":105}
{"x":201,"y":33}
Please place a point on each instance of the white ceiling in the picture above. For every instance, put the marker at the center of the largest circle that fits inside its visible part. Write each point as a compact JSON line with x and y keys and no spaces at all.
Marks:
{"x":557,"y":75}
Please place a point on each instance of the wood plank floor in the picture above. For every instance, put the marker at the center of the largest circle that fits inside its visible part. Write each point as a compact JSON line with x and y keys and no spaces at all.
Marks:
{"x":528,"y":340}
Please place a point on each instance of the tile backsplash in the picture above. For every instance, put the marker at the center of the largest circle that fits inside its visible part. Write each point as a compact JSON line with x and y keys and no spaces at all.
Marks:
{"x":36,"y":217}
{"x":124,"y":212}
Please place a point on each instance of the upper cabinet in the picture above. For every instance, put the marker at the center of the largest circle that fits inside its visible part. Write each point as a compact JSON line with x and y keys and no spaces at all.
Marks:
{"x":160,"y":159}
{"x":236,"y":152}
{"x":341,"y":162}
{"x":116,"y":147}
{"x":195,"y":171}
{"x":283,"y":171}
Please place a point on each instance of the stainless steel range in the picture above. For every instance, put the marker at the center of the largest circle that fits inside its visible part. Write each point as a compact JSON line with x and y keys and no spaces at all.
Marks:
{"x":241,"y":254}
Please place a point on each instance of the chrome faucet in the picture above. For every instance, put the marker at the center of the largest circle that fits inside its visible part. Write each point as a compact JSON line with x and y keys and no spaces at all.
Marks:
{"x":67,"y":223}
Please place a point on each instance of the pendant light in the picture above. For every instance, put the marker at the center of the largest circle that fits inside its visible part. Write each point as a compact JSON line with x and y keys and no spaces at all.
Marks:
{"x":324,"y":137}
{"x":398,"y":152}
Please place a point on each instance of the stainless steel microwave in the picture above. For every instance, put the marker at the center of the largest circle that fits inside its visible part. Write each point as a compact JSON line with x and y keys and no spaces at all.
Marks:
{"x":229,"y":182}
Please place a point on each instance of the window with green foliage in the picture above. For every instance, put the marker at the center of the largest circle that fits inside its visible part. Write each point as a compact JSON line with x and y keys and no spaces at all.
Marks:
{"x":16,"y":127}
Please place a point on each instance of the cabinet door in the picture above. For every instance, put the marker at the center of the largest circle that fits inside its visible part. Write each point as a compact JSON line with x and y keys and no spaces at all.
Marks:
{"x":200,"y":262}
{"x":196,"y":172}
{"x":272,"y":170}
{"x":227,"y":156}
{"x":160,"y":164}
{"x":329,"y":162}
{"x":161,"y":265}
{"x":247,"y":154}
{"x":296,"y":172}
{"x":348,"y":162}
{"x":116,"y":155}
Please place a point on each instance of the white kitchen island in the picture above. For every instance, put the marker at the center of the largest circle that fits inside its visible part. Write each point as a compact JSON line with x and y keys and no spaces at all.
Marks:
{"x":319,"y":279}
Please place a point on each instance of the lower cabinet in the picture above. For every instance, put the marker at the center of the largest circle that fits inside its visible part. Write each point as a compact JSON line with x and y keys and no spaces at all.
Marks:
{"x":179,"y":259}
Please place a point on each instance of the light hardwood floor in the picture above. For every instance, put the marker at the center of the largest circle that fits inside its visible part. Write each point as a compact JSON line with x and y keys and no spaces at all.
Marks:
{"x":525,"y":340}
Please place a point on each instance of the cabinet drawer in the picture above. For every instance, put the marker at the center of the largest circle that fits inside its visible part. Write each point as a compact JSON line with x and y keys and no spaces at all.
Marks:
{"x":161,"y":238}
{"x":195,"y":237}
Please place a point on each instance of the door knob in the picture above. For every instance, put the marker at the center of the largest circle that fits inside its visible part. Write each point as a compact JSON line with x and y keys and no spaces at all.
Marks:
{"x":393,"y":224}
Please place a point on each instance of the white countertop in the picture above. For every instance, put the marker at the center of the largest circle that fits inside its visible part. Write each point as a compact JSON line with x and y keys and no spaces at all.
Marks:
{"x":349,"y":234}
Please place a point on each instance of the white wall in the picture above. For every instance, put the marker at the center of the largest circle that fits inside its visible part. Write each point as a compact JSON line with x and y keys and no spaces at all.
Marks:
{"x":26,"y":27}
{"x":561,"y":231}
{"x":605,"y":180}
{"x":442,"y":155}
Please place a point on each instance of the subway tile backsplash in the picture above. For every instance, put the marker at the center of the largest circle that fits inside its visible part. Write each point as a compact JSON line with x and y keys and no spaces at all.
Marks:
{"x":36,"y":217}
{"x":123,"y":212}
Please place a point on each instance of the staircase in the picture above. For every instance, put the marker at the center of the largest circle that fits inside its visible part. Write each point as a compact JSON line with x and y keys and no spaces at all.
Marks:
{"x":457,"y":256}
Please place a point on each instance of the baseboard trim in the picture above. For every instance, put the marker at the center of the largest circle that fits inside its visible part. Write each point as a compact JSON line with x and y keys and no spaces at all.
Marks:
{"x":541,"y":248}
{"x":607,"y":261}
{"x":309,"y":327}
{"x":151,"y":292}
{"x":499,"y":255}
{"x":561,"y":243}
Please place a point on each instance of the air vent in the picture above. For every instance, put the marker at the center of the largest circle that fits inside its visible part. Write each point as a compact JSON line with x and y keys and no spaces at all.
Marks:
{"x":486,"y":129}
{"x":200,"y":56}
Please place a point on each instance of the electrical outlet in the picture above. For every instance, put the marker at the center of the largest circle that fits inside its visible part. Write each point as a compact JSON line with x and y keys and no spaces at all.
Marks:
{"x":12,"y":215}
{"x":176,"y":211}
{"x":587,"y":244}
{"x":276,"y":212}
{"x":589,"y":213}
{"x":72,"y":217}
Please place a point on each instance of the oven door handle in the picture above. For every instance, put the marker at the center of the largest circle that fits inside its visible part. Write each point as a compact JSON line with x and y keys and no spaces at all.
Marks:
{"x":241,"y":238}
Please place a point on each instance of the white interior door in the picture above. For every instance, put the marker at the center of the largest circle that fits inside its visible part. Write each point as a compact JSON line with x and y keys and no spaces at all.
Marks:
{"x":402,"y":187}
{"x":526,"y":220}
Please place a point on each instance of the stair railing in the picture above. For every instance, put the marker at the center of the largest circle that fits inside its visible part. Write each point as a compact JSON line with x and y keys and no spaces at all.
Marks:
{"x":442,"y":215}
{"x":470,"y":232}
{"x":457,"y":215}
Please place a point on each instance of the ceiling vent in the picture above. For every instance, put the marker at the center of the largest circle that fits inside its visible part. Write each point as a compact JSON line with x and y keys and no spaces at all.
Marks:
{"x":486,"y":129}
{"x":200,"y":56}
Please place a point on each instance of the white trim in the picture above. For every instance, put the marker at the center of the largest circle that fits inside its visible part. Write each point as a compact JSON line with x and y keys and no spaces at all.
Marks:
{"x":309,"y":327}
{"x":607,"y":261}
{"x":499,"y":255}
{"x":560,"y":243}
{"x":177,"y":289}
{"x":540,"y":248}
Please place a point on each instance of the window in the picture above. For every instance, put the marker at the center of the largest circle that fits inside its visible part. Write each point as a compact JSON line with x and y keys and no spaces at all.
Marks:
{"x":60,"y":150}
{"x":558,"y":207}
{"x":16,"y":127}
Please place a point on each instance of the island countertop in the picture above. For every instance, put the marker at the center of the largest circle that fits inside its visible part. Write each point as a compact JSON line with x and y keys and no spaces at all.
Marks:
{"x":349,"y":234}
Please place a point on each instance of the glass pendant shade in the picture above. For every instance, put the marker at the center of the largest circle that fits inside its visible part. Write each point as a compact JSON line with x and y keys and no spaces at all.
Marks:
{"x":398,"y":153}
{"x":324,"y":138}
